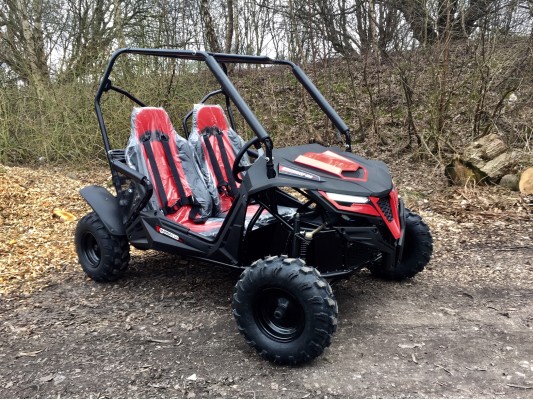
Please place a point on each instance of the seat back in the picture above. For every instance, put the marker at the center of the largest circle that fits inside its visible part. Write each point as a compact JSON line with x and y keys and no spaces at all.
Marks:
{"x":157,"y":151}
{"x":216,"y":146}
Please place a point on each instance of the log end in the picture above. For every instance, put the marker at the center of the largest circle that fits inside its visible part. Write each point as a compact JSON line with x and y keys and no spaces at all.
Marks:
{"x":526,"y":181}
{"x":462,"y":173}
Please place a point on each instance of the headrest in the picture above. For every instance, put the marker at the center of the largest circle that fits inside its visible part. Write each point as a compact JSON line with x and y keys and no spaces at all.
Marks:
{"x":151,"y":119}
{"x":207,"y":115}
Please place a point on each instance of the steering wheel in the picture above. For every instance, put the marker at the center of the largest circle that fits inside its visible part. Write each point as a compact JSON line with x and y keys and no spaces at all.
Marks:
{"x":237,"y":168}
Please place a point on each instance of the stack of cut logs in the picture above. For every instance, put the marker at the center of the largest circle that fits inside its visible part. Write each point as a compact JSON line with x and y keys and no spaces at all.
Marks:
{"x":489,"y":160}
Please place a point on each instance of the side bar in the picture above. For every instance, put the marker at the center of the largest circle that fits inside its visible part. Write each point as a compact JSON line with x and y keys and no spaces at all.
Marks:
{"x":321,"y":101}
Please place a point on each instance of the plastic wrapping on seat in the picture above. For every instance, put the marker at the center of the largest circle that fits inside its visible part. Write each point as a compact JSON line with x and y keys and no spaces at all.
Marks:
{"x":206,"y":118}
{"x":148,"y":123}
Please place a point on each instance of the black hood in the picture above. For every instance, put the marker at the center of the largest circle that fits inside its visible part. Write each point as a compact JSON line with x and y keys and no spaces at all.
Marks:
{"x":372,"y":178}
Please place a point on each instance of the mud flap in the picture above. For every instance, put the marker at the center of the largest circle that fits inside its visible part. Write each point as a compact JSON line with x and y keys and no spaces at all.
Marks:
{"x":391,"y":260}
{"x":106,"y":206}
{"x":400,"y":242}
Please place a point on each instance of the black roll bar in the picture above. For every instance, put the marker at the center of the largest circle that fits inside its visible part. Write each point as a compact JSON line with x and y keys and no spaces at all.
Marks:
{"x":322,"y":102}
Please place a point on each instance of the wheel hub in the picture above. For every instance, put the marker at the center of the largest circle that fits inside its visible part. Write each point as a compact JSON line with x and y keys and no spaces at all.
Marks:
{"x":281,"y":309}
{"x":91,"y":249}
{"x":279,"y":314}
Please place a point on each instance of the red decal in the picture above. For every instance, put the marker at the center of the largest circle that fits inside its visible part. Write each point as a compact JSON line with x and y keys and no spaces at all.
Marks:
{"x":333,"y":163}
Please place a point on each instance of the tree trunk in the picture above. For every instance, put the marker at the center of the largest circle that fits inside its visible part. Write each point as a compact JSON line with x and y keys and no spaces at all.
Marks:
{"x":229,"y":27}
{"x":211,"y":40}
{"x":417,"y":16}
{"x":25,"y":36}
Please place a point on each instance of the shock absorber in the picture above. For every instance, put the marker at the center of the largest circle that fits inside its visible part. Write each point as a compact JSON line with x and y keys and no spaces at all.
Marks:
{"x":295,"y":241}
{"x":303,"y":248}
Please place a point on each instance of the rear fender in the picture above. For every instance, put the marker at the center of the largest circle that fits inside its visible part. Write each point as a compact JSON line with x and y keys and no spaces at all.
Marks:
{"x":106,"y":206}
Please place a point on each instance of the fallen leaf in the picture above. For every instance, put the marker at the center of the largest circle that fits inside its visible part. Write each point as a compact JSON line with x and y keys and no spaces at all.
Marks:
{"x":63,"y":215}
{"x":46,"y":378}
{"x":520,"y":386}
{"x":164,"y":341}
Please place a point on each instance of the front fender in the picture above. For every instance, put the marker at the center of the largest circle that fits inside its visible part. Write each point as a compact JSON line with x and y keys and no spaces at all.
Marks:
{"x":106,"y":206}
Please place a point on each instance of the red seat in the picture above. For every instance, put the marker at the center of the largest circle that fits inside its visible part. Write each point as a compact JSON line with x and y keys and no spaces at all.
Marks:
{"x":216,"y":146}
{"x":180,"y":191}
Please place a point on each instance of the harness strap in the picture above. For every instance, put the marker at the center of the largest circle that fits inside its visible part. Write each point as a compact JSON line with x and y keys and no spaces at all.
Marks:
{"x":227,"y":166}
{"x":183,"y":198}
{"x":222,"y":185}
{"x":145,"y":139}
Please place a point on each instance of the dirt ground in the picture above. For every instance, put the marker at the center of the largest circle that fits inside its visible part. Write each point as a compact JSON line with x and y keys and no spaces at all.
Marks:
{"x":462,"y":328}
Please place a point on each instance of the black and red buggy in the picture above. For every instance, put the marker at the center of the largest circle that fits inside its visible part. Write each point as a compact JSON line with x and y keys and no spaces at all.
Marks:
{"x":294,"y":219}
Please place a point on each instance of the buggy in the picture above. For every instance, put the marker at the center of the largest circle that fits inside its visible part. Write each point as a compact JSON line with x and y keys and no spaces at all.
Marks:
{"x":294,"y":219}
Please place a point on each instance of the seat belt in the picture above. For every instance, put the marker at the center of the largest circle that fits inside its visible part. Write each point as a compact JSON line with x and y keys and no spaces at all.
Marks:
{"x":183,"y":198}
{"x":222,"y":185}
{"x":225,"y":161}
{"x":145,"y":139}
{"x":230,"y":187}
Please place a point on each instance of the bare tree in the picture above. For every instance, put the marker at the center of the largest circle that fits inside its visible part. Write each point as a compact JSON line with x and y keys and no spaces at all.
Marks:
{"x":22,"y":41}
{"x":229,"y":27}
{"x":428,"y":20}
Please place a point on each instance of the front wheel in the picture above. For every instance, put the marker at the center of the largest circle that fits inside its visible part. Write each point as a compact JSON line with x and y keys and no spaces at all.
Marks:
{"x":285,"y":310}
{"x":104,"y":257}
{"x":418,"y":247}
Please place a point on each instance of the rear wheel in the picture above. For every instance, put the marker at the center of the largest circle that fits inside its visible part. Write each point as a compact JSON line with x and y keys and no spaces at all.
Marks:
{"x":103,"y":257}
{"x":418,"y":247}
{"x":285,"y":310}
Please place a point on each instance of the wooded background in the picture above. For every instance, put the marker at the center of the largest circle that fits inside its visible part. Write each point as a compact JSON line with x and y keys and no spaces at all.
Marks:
{"x":427,"y":76}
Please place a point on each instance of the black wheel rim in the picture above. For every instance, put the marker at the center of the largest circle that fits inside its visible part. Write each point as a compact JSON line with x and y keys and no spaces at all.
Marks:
{"x":91,"y":249}
{"x":279,"y":315}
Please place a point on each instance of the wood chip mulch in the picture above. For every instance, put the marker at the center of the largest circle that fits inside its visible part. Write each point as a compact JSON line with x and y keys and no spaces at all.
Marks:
{"x":36,"y":234}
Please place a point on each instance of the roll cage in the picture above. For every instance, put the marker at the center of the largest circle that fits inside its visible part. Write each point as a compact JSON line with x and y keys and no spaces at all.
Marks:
{"x":216,"y":62}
